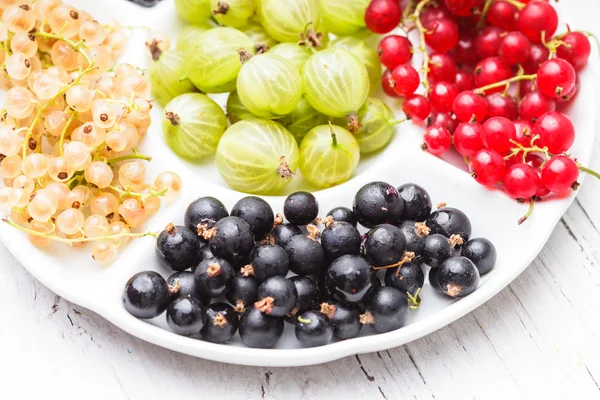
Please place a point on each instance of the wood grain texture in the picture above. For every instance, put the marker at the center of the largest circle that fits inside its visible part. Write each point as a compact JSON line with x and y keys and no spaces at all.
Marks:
{"x":538,"y":338}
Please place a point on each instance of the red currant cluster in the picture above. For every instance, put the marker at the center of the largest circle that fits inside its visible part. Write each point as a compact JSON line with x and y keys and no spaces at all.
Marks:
{"x":493,"y":75}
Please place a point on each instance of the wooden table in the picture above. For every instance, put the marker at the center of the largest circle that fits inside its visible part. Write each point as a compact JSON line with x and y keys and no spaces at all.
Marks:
{"x":540,"y":337}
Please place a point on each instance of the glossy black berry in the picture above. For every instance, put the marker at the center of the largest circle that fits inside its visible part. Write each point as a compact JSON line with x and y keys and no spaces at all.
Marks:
{"x":344,"y":317}
{"x":313,"y":329}
{"x":221,"y":323}
{"x":309,"y":297}
{"x":482,"y":252}
{"x":306,"y":255}
{"x":433,"y":280}
{"x":257,"y":213}
{"x":385,"y":245}
{"x":178,"y":248}
{"x":277,"y":296}
{"x":436,"y":250}
{"x":146,"y":295}
{"x":458,"y":277}
{"x":258,"y":330}
{"x":377,"y":203}
{"x":322,"y":284}
{"x":408,"y":278}
{"x":243,"y":292}
{"x":183,"y":284}
{"x":203,"y":254}
{"x":232,"y":239}
{"x":214,"y":277}
{"x":386,"y":310}
{"x":206,"y":211}
{"x":343,"y":214}
{"x":267,"y":261}
{"x":415,"y":234}
{"x":417,"y":203}
{"x":186,"y":316}
{"x":284,"y":232}
{"x":146,"y":3}
{"x":449,"y":221}
{"x":340,"y":238}
{"x":349,"y":278}
{"x":301,"y":208}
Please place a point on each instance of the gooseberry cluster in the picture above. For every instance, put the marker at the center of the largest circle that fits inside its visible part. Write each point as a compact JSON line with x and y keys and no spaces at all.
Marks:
{"x":493,"y":75}
{"x":69,"y":130}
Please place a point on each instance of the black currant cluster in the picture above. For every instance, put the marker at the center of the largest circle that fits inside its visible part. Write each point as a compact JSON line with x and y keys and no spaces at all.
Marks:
{"x":324,"y":281}
{"x":145,"y":3}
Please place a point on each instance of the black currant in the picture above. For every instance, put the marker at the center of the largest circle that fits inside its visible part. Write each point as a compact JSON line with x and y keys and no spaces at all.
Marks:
{"x":340,"y":238}
{"x":436,"y":249}
{"x":231,"y":239}
{"x":301,"y":208}
{"x":432,"y":277}
{"x":267,"y":261}
{"x":458,"y":277}
{"x":344,"y":317}
{"x":243,"y":292}
{"x":284,"y":232}
{"x":221,"y":323}
{"x":386,"y":310}
{"x":322,"y":284}
{"x":177,"y":247}
{"x":277,"y":296}
{"x":313,"y":329}
{"x":449,"y":221}
{"x":183,"y":284}
{"x":349,"y":278}
{"x":384,"y":245}
{"x":343,"y":214}
{"x":186,"y":316}
{"x":256,"y":212}
{"x":377,"y":203}
{"x":306,"y":255}
{"x":417,"y":203}
{"x":214,"y":277}
{"x":309,"y":297}
{"x":415,"y":234}
{"x":408,"y":277}
{"x":258,"y":330}
{"x":205,"y":253}
{"x":482,"y":252}
{"x":206,"y":212}
{"x":146,"y":295}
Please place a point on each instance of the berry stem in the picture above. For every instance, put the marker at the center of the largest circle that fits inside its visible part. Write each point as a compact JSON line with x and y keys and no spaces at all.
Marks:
{"x":527,"y":150}
{"x":64,"y":132}
{"x":133,"y":156}
{"x":304,"y":320}
{"x":414,"y":301}
{"x":516,"y":3}
{"x":484,"y":12}
{"x":505,"y":82}
{"x":128,"y":192}
{"x":408,"y":10}
{"x":79,"y":240}
{"x":422,"y":48}
{"x":529,"y":211}
{"x":588,"y":171}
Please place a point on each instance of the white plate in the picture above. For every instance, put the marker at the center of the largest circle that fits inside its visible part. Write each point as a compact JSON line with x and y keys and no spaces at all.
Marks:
{"x":73,"y":275}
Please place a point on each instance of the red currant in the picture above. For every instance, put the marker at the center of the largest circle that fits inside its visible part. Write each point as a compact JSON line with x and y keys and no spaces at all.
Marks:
{"x":382,"y":16}
{"x":503,"y":15}
{"x":502,"y":106}
{"x":487,"y":43}
{"x":462,"y":8}
{"x":437,"y":140}
{"x":491,"y":70}
{"x":467,"y":138}
{"x":538,"y":54}
{"x":442,"y":67}
{"x":556,"y":77}
{"x":405,"y":80}
{"x":569,"y":96}
{"x":534,"y":104}
{"x":416,"y":107}
{"x":394,"y":50}
{"x":515,"y":48}
{"x":441,"y":35}
{"x":496,"y":135}
{"x":527,"y":86}
{"x":442,"y":95}
{"x":556,"y":132}
{"x":443,"y":119}
{"x":560,"y":174}
{"x":463,"y":81}
{"x":521,"y":181}
{"x":538,"y":20}
{"x":576,"y":49}
{"x":469,"y":107}
{"x":523,"y":133}
{"x":386,"y":84}
{"x":431,"y":14}
{"x":487,"y":167}
{"x":465,"y":52}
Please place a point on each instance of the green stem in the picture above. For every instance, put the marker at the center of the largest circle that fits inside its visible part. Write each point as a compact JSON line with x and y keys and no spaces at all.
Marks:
{"x":304,"y":321}
{"x":133,"y":156}
{"x":393,"y":122}
{"x":516,"y":3}
{"x":484,"y":12}
{"x":528,"y":214}
{"x":128,"y":192}
{"x":64,"y":132}
{"x":505,"y":82}
{"x":421,"y":28}
{"x":588,"y":171}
